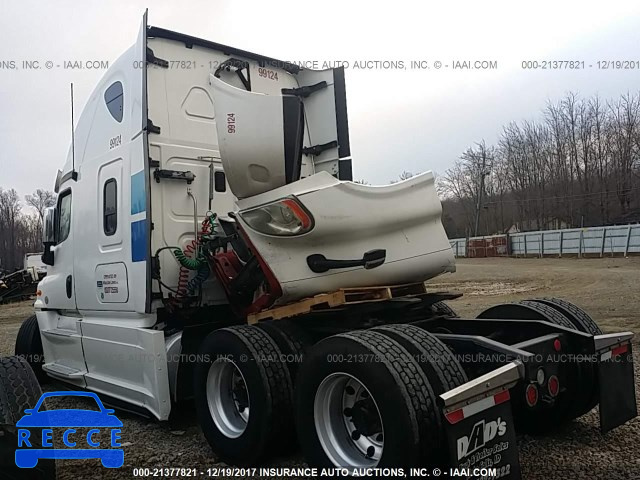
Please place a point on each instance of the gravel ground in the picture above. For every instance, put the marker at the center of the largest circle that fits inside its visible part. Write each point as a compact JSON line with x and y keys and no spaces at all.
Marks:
{"x":606,"y":288}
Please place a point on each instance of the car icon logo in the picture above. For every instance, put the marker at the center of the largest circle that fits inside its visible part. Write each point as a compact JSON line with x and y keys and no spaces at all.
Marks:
{"x":79,"y":445}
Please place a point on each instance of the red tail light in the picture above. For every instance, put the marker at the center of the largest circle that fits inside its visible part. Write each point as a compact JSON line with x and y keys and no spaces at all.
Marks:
{"x":554,"y":386}
{"x":531,"y":395}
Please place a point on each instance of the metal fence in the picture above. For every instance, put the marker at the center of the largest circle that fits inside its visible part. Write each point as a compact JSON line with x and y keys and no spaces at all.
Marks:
{"x":592,"y":241}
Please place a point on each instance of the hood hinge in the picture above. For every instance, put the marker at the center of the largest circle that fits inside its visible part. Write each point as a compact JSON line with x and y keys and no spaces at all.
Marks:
{"x":305,"y":91}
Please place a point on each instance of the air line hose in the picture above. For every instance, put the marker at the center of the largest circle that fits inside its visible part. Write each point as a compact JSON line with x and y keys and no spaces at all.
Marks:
{"x":199,"y":263}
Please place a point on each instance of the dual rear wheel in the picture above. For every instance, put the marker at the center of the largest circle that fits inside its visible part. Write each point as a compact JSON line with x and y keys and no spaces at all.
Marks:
{"x":243,"y":393}
{"x":368,"y":398}
{"x":359,"y":399}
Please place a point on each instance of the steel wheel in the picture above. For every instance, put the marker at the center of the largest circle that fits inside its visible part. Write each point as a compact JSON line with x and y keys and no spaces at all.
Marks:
{"x":228,"y":398}
{"x":348,"y":422}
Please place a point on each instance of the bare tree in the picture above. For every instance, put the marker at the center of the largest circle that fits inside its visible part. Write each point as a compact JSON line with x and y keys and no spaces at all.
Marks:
{"x":20,"y":232}
{"x":40,"y":200}
{"x":466,"y":181}
{"x":403,"y":176}
{"x":579,"y":164}
{"x":9,"y":214}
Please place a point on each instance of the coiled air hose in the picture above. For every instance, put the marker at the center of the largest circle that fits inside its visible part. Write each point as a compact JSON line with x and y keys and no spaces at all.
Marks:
{"x":189,"y":262}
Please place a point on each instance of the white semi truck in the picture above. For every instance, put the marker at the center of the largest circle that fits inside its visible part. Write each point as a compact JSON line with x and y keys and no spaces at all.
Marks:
{"x":208,"y":244}
{"x":33,"y":264}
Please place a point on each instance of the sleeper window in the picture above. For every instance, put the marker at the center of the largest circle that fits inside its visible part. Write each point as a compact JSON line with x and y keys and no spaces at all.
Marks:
{"x":114,"y":100}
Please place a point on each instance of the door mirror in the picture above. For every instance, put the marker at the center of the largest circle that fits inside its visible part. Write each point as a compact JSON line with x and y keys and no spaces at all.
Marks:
{"x":48,"y":234}
{"x":49,"y":226}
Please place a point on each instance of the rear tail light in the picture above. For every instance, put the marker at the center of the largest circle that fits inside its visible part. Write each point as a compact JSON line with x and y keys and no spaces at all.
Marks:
{"x":554,"y":386}
{"x":619,"y":350}
{"x":531,"y":395}
{"x":284,"y":218}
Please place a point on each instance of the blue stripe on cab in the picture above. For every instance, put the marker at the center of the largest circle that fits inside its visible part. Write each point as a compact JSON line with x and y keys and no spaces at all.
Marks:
{"x":139,"y":241}
{"x":138,"y":193}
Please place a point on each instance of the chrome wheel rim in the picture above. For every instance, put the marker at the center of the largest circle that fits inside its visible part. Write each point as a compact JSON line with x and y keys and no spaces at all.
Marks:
{"x":228,"y":398}
{"x":348,"y":422}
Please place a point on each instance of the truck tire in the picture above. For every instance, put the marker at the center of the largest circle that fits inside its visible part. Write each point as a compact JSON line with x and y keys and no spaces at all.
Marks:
{"x":361,"y":401}
{"x":29,"y":346}
{"x":441,"y":308}
{"x":580,"y":319}
{"x":243,"y":395}
{"x":292,"y":341}
{"x":19,"y":390}
{"x":436,"y":360}
{"x":527,"y":310}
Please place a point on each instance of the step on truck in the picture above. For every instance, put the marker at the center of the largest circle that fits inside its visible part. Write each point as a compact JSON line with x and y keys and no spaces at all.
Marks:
{"x":208,"y":244}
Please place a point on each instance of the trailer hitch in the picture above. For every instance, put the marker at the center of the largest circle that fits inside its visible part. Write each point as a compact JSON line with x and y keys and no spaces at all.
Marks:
{"x":373,"y":258}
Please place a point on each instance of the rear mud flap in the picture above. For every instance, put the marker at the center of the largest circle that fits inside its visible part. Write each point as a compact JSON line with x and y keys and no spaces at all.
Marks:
{"x":479,"y":427}
{"x":616,"y":380}
{"x":484,"y":445}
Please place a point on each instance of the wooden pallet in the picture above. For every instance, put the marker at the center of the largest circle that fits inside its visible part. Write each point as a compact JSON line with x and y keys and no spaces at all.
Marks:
{"x":342,"y":297}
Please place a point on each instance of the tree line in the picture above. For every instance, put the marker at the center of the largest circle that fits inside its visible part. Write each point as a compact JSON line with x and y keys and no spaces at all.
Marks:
{"x":578,"y":165}
{"x":21,"y":230}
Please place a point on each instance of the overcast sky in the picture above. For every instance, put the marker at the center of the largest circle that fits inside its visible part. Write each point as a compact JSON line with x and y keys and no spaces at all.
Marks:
{"x":408,"y":119}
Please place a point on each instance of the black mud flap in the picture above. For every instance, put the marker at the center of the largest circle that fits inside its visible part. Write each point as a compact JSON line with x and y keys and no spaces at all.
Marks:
{"x":616,"y":382}
{"x":483,"y":444}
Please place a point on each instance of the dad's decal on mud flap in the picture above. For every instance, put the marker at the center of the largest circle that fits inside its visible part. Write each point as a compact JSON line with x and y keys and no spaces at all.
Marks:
{"x":485,"y":440}
{"x":41,"y":432}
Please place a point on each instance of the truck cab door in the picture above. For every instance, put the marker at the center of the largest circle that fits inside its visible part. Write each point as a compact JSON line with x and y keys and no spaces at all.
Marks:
{"x":58,"y":286}
{"x":58,"y":318}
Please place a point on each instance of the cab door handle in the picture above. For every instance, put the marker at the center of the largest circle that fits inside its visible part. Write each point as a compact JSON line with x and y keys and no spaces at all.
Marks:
{"x":373,"y":258}
{"x":69,"y":286}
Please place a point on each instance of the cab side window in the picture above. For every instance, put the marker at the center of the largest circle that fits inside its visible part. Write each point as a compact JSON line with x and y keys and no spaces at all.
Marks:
{"x":64,"y":216}
{"x":110,"y":207}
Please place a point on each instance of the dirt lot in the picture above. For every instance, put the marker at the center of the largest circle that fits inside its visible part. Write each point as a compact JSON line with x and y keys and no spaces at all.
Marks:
{"x":607,"y":288}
